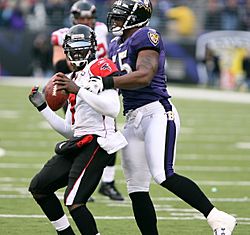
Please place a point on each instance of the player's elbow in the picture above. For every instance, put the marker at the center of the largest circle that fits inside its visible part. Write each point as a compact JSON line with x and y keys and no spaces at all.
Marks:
{"x":146,"y":82}
{"x":146,"y":79}
{"x":110,"y":103}
{"x":114,"y":111}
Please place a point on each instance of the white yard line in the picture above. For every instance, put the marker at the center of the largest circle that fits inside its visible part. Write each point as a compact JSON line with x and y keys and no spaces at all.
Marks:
{"x":11,"y":180}
{"x":126,"y":203}
{"x":23,"y":81}
{"x":242,"y":221}
{"x":243,"y":145}
{"x":176,"y":91}
{"x":211,"y":95}
{"x":181,"y":156}
{"x":182,"y":168}
{"x":2,"y":152}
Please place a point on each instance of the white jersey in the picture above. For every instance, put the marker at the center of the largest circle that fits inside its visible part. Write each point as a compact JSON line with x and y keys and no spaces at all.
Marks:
{"x":88,"y":113}
{"x":101,"y":31}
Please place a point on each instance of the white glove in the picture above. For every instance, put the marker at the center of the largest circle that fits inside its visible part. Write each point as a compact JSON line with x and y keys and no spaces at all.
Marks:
{"x":36,"y":97}
{"x":94,"y":84}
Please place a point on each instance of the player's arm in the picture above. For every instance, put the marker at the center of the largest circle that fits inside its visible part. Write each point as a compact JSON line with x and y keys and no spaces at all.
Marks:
{"x":101,"y":32}
{"x":59,"y":124}
{"x":62,"y":126}
{"x":59,"y":61}
{"x":146,"y":67}
{"x":106,"y":103}
{"x":58,"y":54}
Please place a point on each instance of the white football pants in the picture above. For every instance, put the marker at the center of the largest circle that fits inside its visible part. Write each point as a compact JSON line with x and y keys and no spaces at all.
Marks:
{"x":151,"y":133}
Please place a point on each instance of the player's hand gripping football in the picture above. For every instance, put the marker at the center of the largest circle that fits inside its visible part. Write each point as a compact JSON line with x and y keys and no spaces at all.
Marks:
{"x":64,"y":83}
{"x":36,"y":97}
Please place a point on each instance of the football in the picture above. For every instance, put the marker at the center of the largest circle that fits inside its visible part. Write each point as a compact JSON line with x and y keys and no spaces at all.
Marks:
{"x":55,"y":99}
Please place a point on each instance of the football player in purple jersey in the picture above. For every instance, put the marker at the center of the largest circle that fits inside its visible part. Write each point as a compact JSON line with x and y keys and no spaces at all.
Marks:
{"x":152,"y":121}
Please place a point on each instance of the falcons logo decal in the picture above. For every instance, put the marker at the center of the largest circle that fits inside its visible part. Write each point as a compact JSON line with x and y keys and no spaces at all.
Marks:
{"x":106,"y":66}
{"x":103,"y":67}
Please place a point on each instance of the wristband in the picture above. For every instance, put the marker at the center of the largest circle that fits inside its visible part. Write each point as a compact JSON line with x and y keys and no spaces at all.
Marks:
{"x":108,"y":82}
{"x":42,"y":107}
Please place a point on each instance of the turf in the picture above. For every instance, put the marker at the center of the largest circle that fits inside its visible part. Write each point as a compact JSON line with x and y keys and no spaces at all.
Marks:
{"x":213,"y":150}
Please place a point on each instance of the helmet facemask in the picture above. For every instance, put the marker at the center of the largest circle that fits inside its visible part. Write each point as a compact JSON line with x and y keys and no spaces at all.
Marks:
{"x":80,"y":46}
{"x":78,"y":55}
{"x":113,"y":17}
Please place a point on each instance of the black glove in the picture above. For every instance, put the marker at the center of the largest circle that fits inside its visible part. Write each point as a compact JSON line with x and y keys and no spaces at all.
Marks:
{"x":37,"y":99}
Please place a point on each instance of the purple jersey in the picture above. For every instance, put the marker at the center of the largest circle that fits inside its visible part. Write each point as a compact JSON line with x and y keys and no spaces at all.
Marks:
{"x":125,"y":56}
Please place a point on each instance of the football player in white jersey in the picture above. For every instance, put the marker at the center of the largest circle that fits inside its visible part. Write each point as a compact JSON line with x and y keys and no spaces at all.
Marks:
{"x":84,"y":12}
{"x":89,"y":126}
{"x":81,"y":12}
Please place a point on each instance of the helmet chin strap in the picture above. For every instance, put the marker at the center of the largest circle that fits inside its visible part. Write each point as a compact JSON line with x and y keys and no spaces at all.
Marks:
{"x":78,"y":65}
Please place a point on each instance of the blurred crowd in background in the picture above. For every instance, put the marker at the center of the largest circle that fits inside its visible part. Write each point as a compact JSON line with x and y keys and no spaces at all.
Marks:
{"x":185,"y":17}
{"x":179,"y":20}
{"x":39,"y":15}
{"x":179,"y":17}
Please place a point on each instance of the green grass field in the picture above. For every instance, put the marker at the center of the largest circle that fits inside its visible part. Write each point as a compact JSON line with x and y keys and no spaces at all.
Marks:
{"x":213,"y":150}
